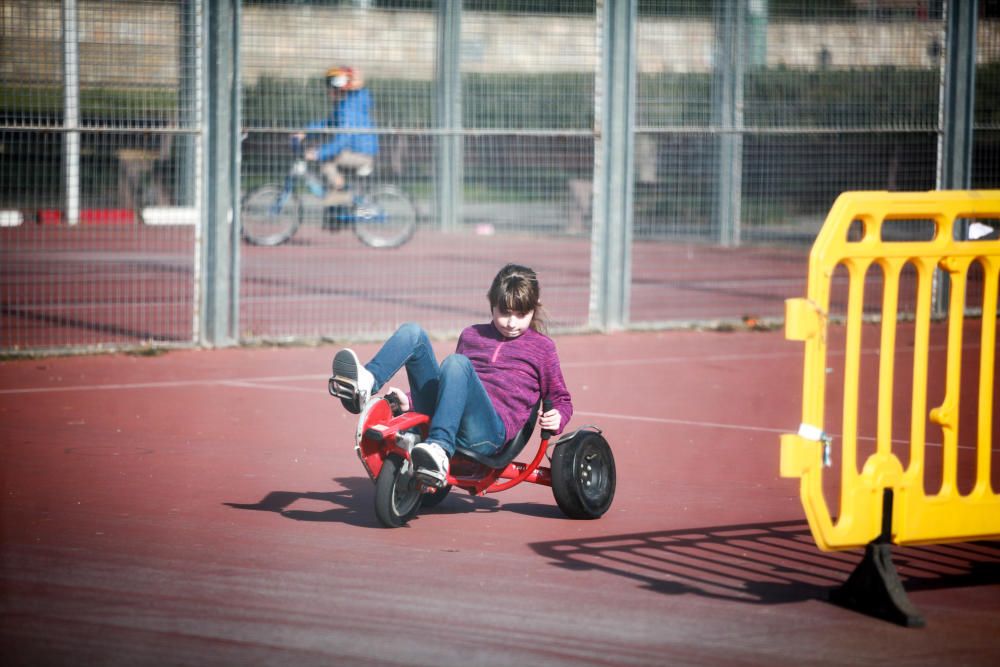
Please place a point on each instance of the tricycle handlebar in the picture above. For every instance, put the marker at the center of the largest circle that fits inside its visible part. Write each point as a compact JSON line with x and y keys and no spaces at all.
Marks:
{"x":546,"y":406}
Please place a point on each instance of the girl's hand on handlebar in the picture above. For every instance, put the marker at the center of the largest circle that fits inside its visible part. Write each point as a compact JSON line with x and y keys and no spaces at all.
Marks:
{"x":550,"y":421}
{"x":404,"y":400}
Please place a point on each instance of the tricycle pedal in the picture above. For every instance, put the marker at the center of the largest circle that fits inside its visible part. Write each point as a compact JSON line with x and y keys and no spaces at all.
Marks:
{"x":427,"y":478}
{"x":342,"y":387}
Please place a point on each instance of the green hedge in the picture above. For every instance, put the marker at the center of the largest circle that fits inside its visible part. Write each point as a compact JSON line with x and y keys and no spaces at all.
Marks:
{"x":776,"y":97}
{"x":773,"y":97}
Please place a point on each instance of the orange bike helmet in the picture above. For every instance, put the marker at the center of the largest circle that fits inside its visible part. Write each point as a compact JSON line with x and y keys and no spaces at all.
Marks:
{"x":344,"y":78}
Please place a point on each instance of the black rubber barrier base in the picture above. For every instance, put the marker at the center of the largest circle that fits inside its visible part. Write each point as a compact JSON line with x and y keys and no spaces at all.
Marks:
{"x":874,"y":588}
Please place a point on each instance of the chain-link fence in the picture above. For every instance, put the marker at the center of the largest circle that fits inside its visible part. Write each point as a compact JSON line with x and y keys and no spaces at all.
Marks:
{"x":483,"y":120}
{"x":99,"y":141}
{"x":690,"y":151}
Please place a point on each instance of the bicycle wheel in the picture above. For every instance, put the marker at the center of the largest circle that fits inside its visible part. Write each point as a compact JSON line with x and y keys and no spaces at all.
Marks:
{"x":385,"y":219}
{"x":270,"y":215}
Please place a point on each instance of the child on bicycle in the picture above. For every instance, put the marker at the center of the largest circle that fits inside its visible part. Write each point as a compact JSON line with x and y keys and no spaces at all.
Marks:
{"x":482,"y":395}
{"x":351,"y":108}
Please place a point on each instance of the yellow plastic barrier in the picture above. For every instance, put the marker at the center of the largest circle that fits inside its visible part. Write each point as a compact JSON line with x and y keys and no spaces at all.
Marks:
{"x":916,"y":515}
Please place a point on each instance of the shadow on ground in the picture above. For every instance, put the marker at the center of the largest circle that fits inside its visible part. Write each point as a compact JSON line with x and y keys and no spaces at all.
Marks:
{"x":354,"y":504}
{"x":766,"y":563}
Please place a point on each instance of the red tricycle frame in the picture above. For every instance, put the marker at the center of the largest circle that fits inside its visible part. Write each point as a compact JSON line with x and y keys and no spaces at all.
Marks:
{"x":582,"y":474}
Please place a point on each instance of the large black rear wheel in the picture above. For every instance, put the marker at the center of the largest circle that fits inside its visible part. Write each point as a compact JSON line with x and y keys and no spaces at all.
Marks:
{"x":583,"y":476}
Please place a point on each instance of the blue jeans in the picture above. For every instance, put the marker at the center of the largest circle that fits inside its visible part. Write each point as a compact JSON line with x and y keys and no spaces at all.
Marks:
{"x":451,"y":393}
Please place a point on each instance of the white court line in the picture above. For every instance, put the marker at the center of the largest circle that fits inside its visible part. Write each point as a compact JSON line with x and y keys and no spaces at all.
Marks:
{"x":733,"y":427}
{"x":675,"y":360}
{"x":260,"y":385}
{"x":173,"y":384}
{"x":722,"y":357}
{"x":678,"y":422}
{"x":264,"y":383}
{"x":295,"y":378}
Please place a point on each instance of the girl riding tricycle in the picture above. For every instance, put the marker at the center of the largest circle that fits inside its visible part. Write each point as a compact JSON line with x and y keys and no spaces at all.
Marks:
{"x":464,"y":421}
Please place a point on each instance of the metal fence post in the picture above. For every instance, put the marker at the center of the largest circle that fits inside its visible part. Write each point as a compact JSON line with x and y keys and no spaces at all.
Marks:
{"x":449,"y":113}
{"x":188,"y":101}
{"x":958,"y":97}
{"x":957,"y":115}
{"x":611,"y":239}
{"x":71,"y":111}
{"x":729,"y":66}
{"x":219,"y":247}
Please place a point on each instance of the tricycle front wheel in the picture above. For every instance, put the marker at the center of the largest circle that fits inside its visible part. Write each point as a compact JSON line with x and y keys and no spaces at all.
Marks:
{"x":397,"y":492}
{"x":583,"y":476}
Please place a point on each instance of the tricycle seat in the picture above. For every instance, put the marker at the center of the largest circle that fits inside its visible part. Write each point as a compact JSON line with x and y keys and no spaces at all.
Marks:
{"x":510,"y":449}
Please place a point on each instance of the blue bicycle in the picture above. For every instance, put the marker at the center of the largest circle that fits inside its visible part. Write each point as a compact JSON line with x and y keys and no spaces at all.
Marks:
{"x":270,"y":214}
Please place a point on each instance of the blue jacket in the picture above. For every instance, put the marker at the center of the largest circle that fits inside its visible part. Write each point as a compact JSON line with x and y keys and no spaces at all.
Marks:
{"x":352,"y":110}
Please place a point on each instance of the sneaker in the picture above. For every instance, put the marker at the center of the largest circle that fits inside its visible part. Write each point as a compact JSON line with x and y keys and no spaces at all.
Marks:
{"x":352,"y":383}
{"x":431,"y":462}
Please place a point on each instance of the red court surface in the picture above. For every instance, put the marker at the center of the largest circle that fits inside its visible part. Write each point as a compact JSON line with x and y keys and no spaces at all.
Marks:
{"x":207,"y":508}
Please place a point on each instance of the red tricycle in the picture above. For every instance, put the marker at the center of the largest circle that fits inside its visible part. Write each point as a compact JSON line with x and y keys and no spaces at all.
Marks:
{"x":582,"y":472}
